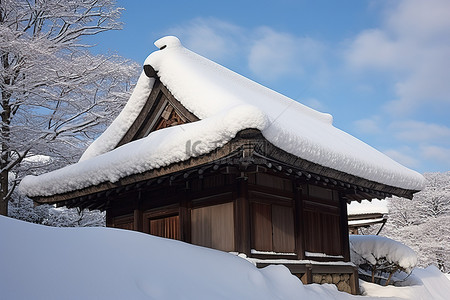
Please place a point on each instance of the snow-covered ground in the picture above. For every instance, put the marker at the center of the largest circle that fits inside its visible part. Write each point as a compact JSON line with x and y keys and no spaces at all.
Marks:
{"x":39,"y":262}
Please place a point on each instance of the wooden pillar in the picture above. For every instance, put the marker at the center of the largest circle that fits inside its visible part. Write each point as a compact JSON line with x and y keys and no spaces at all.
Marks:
{"x":344,"y":228}
{"x":185,"y":215}
{"x":137,"y":214}
{"x":109,"y":219}
{"x":242,"y":217}
{"x":309,"y":276}
{"x":354,"y":282}
{"x":299,"y":226}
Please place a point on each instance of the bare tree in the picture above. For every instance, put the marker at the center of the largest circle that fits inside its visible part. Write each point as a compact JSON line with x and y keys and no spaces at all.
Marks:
{"x":55,"y":95}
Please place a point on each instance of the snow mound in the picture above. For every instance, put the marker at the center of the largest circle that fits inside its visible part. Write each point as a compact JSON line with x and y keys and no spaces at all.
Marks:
{"x":41,"y":262}
{"x":428,"y":283}
{"x":371,"y":248}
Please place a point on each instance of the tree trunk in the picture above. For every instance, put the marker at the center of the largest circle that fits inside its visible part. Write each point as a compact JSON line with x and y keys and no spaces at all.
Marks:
{"x":4,"y":193}
{"x":5,"y":138}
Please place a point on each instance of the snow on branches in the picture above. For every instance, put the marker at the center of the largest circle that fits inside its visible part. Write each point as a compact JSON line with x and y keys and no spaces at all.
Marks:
{"x":380,"y":255}
{"x":423,"y":223}
{"x":55,"y":95}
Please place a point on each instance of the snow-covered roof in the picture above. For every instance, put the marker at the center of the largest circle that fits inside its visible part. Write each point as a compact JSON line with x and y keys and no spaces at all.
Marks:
{"x":366,"y":207}
{"x":226,"y":103}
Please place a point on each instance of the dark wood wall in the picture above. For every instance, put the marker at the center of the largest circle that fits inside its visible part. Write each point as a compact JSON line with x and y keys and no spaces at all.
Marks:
{"x":261,"y":215}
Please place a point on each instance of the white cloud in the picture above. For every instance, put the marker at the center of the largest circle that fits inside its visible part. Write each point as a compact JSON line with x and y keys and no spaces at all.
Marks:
{"x":370,"y":125}
{"x":404,"y":156}
{"x":213,"y":38}
{"x":420,"y":131}
{"x":275,"y":54}
{"x":412,"y":45}
{"x":436,"y":153}
{"x":269,"y":54}
{"x":428,"y":20}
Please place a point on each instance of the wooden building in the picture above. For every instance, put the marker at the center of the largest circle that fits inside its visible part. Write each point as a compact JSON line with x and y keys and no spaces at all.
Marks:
{"x":242,"y":193}
{"x":366,"y":214}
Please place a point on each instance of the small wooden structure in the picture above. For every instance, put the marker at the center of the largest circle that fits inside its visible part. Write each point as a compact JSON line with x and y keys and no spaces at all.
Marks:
{"x":365,"y":214}
{"x":247,"y":196}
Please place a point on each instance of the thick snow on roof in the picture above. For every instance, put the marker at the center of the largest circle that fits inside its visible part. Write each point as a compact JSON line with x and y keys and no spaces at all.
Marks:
{"x":225,"y":102}
{"x":119,"y":127}
{"x":366,"y":207}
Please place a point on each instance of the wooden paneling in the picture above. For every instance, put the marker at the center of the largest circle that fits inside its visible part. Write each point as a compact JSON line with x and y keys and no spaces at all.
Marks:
{"x":273,"y":228}
{"x":312,"y":228}
{"x":320,"y":192}
{"x":271,"y":181}
{"x":123,"y":222}
{"x":283,"y":229}
{"x":169,"y":117}
{"x":213,"y":226}
{"x":322,"y":220}
{"x":167,"y":227}
{"x":322,"y":233}
{"x":214,"y":181}
{"x":262,"y":227}
{"x":125,"y":225}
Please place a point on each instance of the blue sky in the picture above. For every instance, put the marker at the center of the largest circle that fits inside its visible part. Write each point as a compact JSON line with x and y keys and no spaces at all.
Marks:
{"x":381,"y":68}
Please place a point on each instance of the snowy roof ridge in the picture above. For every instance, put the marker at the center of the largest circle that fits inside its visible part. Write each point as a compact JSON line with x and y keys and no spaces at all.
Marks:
{"x":225,"y":102}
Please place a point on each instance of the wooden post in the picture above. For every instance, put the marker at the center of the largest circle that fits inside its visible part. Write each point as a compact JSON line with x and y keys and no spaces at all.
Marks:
{"x":242,"y":218}
{"x":137,"y":214}
{"x":185,"y":217}
{"x":354,"y":282}
{"x":109,"y":219}
{"x":309,"y":277}
{"x":299,"y":227}
{"x":344,"y":228}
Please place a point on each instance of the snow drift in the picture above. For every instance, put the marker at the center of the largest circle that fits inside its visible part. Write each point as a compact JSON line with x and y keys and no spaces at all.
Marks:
{"x":40,"y":262}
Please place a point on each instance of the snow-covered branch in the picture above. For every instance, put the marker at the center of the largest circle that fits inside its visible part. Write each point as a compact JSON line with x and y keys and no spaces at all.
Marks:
{"x":54,"y":93}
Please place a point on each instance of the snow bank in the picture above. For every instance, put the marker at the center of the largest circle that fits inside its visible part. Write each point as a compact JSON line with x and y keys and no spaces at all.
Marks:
{"x":210,"y":92}
{"x":40,"y":262}
{"x":428,"y":283}
{"x":371,"y":248}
